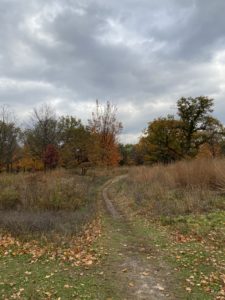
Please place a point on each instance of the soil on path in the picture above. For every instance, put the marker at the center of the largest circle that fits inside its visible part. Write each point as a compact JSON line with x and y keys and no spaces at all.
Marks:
{"x":139,"y":267}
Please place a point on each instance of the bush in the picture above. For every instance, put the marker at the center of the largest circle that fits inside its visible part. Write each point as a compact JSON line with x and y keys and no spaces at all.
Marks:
{"x":9,"y":199}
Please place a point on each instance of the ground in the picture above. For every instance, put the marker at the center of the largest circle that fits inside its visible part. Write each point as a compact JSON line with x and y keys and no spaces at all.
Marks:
{"x":140,"y":270}
{"x":131,"y":259}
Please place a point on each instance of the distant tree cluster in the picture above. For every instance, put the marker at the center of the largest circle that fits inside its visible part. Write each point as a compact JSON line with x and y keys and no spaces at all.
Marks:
{"x":194,"y":132}
{"x":49,"y":142}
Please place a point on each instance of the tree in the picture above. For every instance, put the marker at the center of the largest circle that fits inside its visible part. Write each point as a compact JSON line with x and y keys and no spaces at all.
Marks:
{"x":139,"y":152}
{"x":195,"y":132}
{"x":104,"y":129}
{"x":213,"y":136}
{"x":127,"y":154}
{"x":163,"y":140}
{"x":27,"y":161}
{"x":51,"y":157}
{"x":74,"y":141}
{"x":9,"y":136}
{"x":43,"y":132}
{"x":194,"y":113}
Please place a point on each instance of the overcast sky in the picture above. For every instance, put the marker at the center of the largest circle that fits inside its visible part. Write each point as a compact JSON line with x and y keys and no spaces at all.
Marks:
{"x":143,"y":55}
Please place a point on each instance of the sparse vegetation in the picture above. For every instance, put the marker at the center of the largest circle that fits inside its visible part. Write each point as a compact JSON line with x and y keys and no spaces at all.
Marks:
{"x":172,"y":207}
{"x":195,"y":186}
{"x":56,"y":190}
{"x":181,"y":209}
{"x":56,"y":201}
{"x":49,"y":223}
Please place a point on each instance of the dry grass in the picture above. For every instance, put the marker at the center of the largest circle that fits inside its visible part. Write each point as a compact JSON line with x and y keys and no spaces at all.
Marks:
{"x":46,"y":223}
{"x":51,"y":191}
{"x":44,"y":203}
{"x":181,"y":188}
{"x":107,"y":172}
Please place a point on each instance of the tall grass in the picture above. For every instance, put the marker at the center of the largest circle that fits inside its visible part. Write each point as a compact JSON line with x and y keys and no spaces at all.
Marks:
{"x":181,"y":188}
{"x":56,"y":201}
{"x":51,"y":191}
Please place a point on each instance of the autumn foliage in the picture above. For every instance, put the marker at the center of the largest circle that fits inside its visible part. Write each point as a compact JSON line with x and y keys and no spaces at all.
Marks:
{"x":193,"y":132}
{"x":51,"y":157}
{"x":50,"y":141}
{"x":104,"y":129}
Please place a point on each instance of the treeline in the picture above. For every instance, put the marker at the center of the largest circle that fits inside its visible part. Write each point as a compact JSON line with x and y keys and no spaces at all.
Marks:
{"x":193,"y":132}
{"x":49,"y":141}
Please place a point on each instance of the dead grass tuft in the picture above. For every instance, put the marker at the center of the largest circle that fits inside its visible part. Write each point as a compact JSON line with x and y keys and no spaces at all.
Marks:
{"x":51,"y":191}
{"x":181,"y":188}
{"x":45,"y":202}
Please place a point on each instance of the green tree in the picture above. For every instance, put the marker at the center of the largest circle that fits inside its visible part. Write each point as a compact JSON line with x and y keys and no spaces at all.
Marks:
{"x":74,"y":141}
{"x":127,"y":154}
{"x":163,"y":140}
{"x":213,"y":135}
{"x":9,"y":137}
{"x":194,"y":113}
{"x":44,"y":131}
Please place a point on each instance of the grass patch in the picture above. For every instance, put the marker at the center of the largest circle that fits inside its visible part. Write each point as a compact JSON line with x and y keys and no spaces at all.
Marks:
{"x":184,"y":220}
{"x":178,"y":189}
{"x":52,"y":280}
{"x":50,"y":203}
{"x":56,"y":190}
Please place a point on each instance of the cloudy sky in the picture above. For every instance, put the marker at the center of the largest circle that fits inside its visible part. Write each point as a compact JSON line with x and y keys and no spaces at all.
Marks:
{"x":143,"y":55}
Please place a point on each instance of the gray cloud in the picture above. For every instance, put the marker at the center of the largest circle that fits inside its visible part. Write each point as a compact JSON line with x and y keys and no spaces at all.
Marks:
{"x":141,"y":54}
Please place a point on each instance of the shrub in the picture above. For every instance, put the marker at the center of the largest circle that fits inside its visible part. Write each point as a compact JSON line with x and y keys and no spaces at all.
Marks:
{"x":9,"y":199}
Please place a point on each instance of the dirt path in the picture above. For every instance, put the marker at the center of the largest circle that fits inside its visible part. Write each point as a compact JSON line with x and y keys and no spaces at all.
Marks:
{"x":143,"y":275}
{"x":109,"y":205}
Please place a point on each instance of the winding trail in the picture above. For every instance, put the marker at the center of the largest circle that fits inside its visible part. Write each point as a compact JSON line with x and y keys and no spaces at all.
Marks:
{"x":145,"y":276}
{"x":109,"y":205}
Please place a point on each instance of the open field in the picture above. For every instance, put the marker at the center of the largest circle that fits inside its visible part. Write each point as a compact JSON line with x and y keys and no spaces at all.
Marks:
{"x":43,"y":203}
{"x":165,"y":242}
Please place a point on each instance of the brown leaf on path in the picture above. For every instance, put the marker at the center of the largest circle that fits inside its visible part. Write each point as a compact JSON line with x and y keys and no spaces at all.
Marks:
{"x":131,"y":284}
